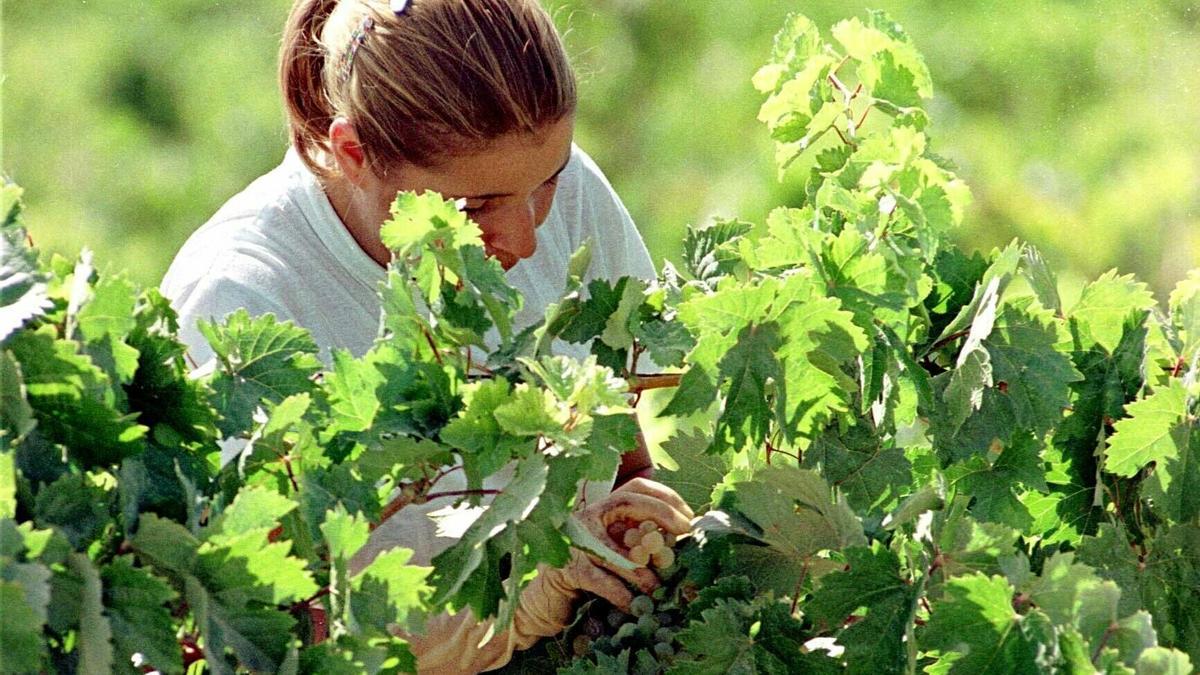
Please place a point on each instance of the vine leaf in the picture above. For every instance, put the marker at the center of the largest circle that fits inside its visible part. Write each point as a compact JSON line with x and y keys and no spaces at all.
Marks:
{"x":259,"y":359}
{"x":871,"y":581}
{"x":974,"y":629}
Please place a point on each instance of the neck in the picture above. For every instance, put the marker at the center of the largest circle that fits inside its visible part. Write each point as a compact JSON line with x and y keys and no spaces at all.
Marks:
{"x":358,"y":217}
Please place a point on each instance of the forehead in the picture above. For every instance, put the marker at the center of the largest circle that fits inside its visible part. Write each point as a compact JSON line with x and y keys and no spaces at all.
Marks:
{"x":512,"y":165}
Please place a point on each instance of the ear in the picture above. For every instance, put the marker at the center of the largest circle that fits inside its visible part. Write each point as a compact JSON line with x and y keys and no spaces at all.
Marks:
{"x":347,"y":150}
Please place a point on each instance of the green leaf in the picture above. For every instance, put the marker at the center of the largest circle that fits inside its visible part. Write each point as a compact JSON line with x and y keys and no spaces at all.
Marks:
{"x":719,"y":643}
{"x":532,"y":412}
{"x":820,"y":339}
{"x":698,"y":471}
{"x":162,"y":391}
{"x":696,"y":392}
{"x":877,"y":38}
{"x":870,"y":582}
{"x":71,"y":399}
{"x":74,"y":507}
{"x":255,"y":508}
{"x":476,"y":432}
{"x":1159,"y":430}
{"x":872,"y":475}
{"x":425,"y":220}
{"x":710,"y":251}
{"x":1162,"y":575}
{"x":1184,"y":304}
{"x":258,"y":359}
{"x":16,"y":417}
{"x":749,"y":368}
{"x":95,"y":632}
{"x":795,"y":516}
{"x":351,"y":386}
{"x":1163,"y":661}
{"x":23,"y":291}
{"x":8,"y":486}
{"x":354,"y":655}
{"x":165,"y":544}
{"x":259,"y":637}
{"x":390,"y":590}
{"x":105,"y":321}
{"x":136,"y":603}
{"x":968,"y":546}
{"x":22,"y":645}
{"x":974,"y":629}
{"x":1146,"y":434}
{"x":617,"y":328}
{"x":667,"y":342}
{"x":993,"y":481}
{"x":1105,"y":303}
{"x":1029,"y":385}
{"x":456,"y":564}
{"x":603,"y":302}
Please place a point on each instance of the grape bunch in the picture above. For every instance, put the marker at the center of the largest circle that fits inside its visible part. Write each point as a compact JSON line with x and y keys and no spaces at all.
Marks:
{"x":645,"y":635}
{"x":646,"y":543}
{"x":647,"y":631}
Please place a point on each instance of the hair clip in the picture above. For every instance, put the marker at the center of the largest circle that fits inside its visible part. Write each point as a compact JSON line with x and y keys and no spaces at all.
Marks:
{"x":399,"y":6}
{"x":357,"y":38}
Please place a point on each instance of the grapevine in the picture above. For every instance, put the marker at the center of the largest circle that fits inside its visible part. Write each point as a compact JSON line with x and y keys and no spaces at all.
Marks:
{"x":906,"y":458}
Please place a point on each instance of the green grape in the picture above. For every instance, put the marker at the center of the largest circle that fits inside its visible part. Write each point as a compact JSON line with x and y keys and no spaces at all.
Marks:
{"x":625,"y":632}
{"x":615,"y":618}
{"x":663,"y":650}
{"x":647,"y":624}
{"x":659,"y":594}
{"x":641,"y":605}
{"x":581,"y":645}
{"x":603,"y":644}
{"x":664,"y":634}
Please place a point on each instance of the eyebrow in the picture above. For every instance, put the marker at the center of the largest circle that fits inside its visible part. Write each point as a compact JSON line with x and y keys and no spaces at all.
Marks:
{"x":495,"y":195}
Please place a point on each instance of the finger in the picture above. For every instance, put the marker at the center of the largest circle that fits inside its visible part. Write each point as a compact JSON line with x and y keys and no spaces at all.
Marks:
{"x":640,"y":507}
{"x":652,"y":488}
{"x":640,"y":577}
{"x":596,"y":581}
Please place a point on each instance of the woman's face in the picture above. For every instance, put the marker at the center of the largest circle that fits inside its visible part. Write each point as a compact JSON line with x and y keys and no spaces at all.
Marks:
{"x":507,"y":186}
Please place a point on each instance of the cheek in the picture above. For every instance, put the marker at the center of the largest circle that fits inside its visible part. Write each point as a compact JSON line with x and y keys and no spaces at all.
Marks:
{"x":543,"y":199}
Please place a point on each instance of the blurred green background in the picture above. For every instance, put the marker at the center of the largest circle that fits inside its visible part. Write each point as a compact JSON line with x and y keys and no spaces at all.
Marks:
{"x":1077,"y":124}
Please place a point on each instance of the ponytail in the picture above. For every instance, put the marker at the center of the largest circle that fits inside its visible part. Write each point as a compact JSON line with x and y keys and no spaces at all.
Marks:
{"x":302,"y":59}
{"x":437,"y":80}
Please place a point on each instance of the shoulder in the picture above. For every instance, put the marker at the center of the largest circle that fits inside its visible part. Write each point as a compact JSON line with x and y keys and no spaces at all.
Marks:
{"x":252,"y":239}
{"x":592,"y":210}
{"x":584,"y":180}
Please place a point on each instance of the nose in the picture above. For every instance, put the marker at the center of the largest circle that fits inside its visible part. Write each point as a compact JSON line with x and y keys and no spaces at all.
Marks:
{"x":515,"y":235}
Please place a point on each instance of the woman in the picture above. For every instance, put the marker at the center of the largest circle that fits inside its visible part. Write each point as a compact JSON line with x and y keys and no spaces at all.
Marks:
{"x":474,"y":99}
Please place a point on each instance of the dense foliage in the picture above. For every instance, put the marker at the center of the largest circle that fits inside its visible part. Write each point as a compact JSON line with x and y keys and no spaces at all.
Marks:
{"x":907,"y":457}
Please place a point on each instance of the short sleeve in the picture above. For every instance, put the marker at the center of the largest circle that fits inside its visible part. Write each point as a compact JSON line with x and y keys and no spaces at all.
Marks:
{"x":620,"y":250}
{"x":212,"y":298}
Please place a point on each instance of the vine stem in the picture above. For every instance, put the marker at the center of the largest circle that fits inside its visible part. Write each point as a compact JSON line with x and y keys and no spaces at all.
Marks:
{"x":1112,"y":628}
{"x":910,"y":625}
{"x":429,"y":338}
{"x":947,"y":340}
{"x":463,"y":493}
{"x":799,"y":585}
{"x":287,"y":463}
{"x":639,"y":382}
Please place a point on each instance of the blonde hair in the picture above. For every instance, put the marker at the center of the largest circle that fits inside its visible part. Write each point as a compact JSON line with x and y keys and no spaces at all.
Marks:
{"x":431,"y":82}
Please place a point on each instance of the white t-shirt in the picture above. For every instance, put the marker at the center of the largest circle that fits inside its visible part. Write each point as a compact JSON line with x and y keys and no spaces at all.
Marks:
{"x":279,"y":247}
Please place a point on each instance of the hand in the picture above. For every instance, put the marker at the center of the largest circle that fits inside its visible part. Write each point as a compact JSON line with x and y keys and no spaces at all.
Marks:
{"x":452,"y":643}
{"x":637,"y":501}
